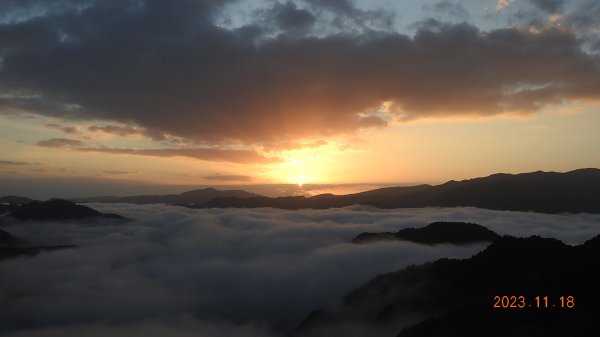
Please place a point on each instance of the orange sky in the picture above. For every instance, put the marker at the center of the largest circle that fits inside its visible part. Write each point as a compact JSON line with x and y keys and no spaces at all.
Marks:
{"x":255,"y":93}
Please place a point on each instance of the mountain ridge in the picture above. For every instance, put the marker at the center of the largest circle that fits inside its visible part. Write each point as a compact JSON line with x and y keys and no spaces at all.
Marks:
{"x":544,"y":192}
{"x":58,"y":209}
{"x":435,"y":233}
{"x":185,"y":198}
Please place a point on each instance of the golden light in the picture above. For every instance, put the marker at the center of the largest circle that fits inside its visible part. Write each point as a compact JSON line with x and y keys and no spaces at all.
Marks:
{"x":300,"y":180}
{"x":305,"y":165}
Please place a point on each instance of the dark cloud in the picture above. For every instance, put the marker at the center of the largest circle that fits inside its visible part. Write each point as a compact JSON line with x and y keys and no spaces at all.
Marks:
{"x":455,"y":10}
{"x":210,"y":154}
{"x":66,"y":129}
{"x":289,"y":17}
{"x":177,"y":271}
{"x":166,"y":67}
{"x":21,"y":10}
{"x":586,"y":16}
{"x":229,"y":178}
{"x":347,"y":18}
{"x":586,"y":20}
{"x":549,"y":6}
{"x":59,"y":142}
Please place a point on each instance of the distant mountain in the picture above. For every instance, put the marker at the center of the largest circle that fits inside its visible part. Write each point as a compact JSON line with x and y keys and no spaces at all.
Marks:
{"x":457,"y":297}
{"x":10,"y":203}
{"x":434,"y":233}
{"x":545,"y":192}
{"x":58,"y":209}
{"x":187,"y":198}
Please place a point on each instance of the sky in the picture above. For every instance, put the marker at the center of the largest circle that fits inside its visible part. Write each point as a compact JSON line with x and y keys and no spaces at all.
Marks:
{"x":130,"y":96}
{"x":174,"y":271}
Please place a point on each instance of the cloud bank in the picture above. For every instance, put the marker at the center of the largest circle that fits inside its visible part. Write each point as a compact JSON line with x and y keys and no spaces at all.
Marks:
{"x":233,"y":272}
{"x":170,"y":69}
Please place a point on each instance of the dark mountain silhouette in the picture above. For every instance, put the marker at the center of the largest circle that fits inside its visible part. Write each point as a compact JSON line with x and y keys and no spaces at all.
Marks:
{"x":456,"y":297}
{"x":10,"y":202}
{"x":186,"y":198}
{"x":435,"y":233}
{"x":13,"y":246}
{"x":545,"y":192}
{"x":5,"y":208}
{"x":58,"y":209}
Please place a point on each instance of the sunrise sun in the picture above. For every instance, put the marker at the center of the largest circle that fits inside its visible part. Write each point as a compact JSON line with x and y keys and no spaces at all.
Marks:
{"x":300,"y":180}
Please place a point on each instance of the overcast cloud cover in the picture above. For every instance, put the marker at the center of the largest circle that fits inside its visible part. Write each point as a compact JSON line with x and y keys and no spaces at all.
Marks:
{"x":195,"y":69}
{"x":182,"y":272}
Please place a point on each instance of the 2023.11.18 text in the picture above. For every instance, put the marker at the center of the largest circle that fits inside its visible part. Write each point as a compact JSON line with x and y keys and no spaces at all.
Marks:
{"x":520,"y":302}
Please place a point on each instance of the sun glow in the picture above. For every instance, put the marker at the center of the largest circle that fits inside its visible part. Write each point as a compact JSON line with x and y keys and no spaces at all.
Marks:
{"x":302,"y":166}
{"x":300,"y":180}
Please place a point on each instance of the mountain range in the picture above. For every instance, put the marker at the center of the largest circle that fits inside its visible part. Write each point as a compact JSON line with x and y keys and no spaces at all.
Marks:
{"x":187,"y":198}
{"x":58,"y":209}
{"x":544,"y":192}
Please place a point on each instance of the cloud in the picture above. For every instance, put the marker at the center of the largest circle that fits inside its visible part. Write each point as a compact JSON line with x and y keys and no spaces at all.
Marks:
{"x":66,"y":129}
{"x":455,"y":10}
{"x":585,"y":20}
{"x":182,"y":270}
{"x":503,"y":4}
{"x":169,"y":68}
{"x":210,"y":154}
{"x":291,"y":18}
{"x":229,"y":178}
{"x":287,"y":145}
{"x":14,"y":163}
{"x":112,"y":172}
{"x":123,"y":131}
{"x":59,"y":142}
{"x":549,"y":6}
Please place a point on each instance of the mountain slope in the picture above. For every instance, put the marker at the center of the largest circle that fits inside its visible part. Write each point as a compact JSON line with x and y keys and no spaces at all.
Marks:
{"x":57,"y":209}
{"x":457,"y":297}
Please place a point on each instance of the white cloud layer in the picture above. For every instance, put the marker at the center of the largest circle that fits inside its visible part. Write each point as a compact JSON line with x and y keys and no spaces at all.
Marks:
{"x":255,"y":272}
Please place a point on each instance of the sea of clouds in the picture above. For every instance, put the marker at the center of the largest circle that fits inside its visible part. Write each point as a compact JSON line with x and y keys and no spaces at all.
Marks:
{"x":174,"y":271}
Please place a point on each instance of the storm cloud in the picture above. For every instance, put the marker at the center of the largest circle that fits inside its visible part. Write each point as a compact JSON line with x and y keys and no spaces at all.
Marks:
{"x":235,"y":272}
{"x":169,"y":68}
